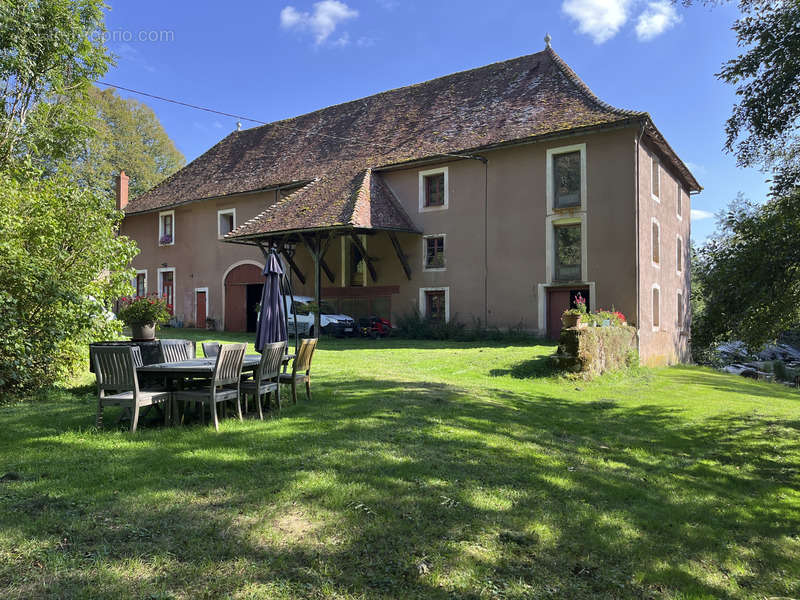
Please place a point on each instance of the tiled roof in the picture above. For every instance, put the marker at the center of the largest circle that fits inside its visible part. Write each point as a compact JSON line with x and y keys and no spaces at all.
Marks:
{"x":335,"y":148}
{"x":362,"y":201}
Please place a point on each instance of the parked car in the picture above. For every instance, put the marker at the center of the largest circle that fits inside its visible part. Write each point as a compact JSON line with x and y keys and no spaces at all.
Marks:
{"x":330,"y":322}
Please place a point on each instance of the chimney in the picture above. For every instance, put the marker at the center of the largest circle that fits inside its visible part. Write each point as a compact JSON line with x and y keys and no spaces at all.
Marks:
{"x":122,"y":190}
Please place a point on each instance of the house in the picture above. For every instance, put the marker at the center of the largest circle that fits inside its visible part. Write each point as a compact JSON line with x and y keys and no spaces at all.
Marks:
{"x":496,"y":194}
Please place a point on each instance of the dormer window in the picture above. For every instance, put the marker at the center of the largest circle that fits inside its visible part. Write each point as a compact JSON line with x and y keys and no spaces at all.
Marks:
{"x":226,"y":221}
{"x":433,"y":189}
{"x":166,"y":228}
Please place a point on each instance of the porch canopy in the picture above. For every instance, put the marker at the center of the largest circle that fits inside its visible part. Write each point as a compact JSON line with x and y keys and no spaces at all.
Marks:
{"x":323,"y":210}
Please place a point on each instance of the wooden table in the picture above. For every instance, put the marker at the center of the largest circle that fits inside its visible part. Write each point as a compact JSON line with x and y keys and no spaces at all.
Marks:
{"x":194,"y":367}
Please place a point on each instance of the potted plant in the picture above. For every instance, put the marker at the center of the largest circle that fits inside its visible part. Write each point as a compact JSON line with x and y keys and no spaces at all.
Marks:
{"x":143,"y":314}
{"x":573,"y":317}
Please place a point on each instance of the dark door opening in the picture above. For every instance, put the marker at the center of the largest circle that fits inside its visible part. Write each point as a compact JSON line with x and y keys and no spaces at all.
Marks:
{"x":253,"y":297}
{"x":559,"y":300}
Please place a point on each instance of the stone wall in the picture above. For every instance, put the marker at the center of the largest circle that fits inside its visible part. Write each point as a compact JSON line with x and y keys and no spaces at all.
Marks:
{"x":595,"y":350}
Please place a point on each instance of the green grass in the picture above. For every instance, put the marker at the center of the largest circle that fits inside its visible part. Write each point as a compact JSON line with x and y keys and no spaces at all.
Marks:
{"x":418,"y":470}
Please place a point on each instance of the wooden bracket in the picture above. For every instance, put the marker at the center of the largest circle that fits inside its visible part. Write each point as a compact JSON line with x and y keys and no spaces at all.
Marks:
{"x":400,"y":255}
{"x":367,"y":259}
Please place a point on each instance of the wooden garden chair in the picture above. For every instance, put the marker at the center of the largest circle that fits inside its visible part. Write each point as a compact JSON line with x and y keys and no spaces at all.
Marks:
{"x":301,"y":368}
{"x":265,"y":380}
{"x":224,"y":384}
{"x":211,"y":349}
{"x":118,"y":385}
{"x":175,"y":350}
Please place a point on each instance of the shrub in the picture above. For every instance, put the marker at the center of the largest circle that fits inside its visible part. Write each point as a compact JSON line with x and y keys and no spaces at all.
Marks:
{"x":414,"y":326}
{"x":780,"y":371}
{"x":61,"y":265}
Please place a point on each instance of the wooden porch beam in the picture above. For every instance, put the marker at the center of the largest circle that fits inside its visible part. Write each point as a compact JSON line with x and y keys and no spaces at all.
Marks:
{"x":400,"y":254}
{"x":293,"y":265}
{"x":311,"y":245}
{"x":370,"y":267}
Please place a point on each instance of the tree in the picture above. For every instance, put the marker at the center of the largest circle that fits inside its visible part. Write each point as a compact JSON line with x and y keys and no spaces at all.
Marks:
{"x":749,"y":273}
{"x":61,"y":259}
{"x":763,"y":127}
{"x":126,"y":136}
{"x":50,"y":51}
{"x":61,"y":265}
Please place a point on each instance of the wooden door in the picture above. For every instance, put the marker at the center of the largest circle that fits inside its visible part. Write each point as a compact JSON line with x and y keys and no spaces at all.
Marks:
{"x":200,"y":309}
{"x":559,"y":300}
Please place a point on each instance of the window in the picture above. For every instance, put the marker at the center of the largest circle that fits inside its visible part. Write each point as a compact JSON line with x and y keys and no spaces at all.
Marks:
{"x":166,"y":228}
{"x":679,"y":201}
{"x":141,"y":283}
{"x":226,"y":221}
{"x":656,"y":257}
{"x":433,"y":186}
{"x":680,"y":310}
{"x":567,"y":252}
{"x":679,"y":255}
{"x":656,"y":178}
{"x":656,"y":308}
{"x":433,"y":247}
{"x":567,"y":179}
{"x":166,"y":287}
{"x":434,"y":304}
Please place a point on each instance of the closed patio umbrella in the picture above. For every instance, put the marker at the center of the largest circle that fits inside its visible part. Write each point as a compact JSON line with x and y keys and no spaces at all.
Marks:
{"x":272,"y":321}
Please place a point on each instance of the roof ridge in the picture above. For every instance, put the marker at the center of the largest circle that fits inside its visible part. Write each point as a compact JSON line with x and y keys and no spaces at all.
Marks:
{"x":282,"y":122}
{"x":573,"y":77}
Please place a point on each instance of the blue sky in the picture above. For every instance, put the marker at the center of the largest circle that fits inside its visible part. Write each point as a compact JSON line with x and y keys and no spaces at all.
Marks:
{"x":271,"y":60}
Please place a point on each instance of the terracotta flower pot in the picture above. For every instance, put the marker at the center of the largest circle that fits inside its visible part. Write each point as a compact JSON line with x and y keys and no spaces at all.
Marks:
{"x":143,"y":331}
{"x":570,"y":321}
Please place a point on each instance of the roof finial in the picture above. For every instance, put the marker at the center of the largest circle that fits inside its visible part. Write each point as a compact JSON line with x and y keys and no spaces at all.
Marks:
{"x":547,"y":39}
{"x":238,"y":125}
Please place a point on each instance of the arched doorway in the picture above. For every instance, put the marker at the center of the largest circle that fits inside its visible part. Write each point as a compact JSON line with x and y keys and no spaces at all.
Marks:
{"x":243,"y":285}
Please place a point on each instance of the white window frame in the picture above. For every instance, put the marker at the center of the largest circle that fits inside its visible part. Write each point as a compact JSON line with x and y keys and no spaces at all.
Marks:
{"x":681,"y":316}
{"x":550,"y":192}
{"x":223,"y":211}
{"x":174,"y":286}
{"x":136,"y":274}
{"x":655,"y":161}
{"x":422,"y":176}
{"x":679,"y":267}
{"x":425,"y":252}
{"x":164,"y":213}
{"x":655,"y":286}
{"x":679,"y":201}
{"x":194,"y":301}
{"x":423,"y":305}
{"x":657,"y":265}
{"x":551,"y":223}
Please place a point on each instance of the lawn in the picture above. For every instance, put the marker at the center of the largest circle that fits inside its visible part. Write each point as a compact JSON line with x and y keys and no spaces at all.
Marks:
{"x":418,"y":470}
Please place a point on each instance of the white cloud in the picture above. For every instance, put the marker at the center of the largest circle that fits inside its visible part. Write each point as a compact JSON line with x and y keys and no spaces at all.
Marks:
{"x":657,"y":18}
{"x":342,"y":41}
{"x":600,"y":19}
{"x":699,"y":215}
{"x":322,"y":21}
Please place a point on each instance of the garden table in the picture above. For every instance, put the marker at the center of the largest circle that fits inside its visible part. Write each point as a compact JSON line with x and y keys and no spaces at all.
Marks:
{"x":198,"y":367}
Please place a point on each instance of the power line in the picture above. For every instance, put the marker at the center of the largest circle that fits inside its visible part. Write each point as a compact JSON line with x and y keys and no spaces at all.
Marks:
{"x":211,"y":110}
{"x":276,"y":124}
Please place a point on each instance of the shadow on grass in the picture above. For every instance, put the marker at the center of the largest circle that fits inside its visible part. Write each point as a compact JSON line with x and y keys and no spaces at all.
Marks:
{"x":402,"y":485}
